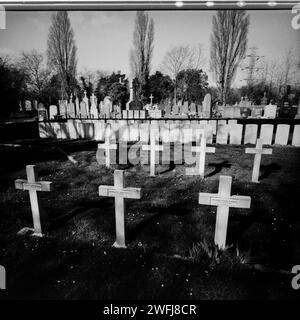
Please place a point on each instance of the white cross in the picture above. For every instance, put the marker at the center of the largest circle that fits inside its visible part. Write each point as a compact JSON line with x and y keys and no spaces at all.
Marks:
{"x":202,"y":150}
{"x":153,"y":148}
{"x":151,"y":98}
{"x":258,"y":151}
{"x":119,"y":192}
{"x":33,"y":186}
{"x":107,"y":146}
{"x":223,"y":200}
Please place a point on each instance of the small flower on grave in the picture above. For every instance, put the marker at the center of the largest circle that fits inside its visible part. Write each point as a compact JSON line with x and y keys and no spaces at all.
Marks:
{"x":104,"y":252}
{"x":162,"y":285}
{"x":73,"y":281}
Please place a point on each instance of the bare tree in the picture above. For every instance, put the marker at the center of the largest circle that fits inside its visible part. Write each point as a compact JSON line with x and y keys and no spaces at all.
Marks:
{"x":228,"y":47}
{"x":141,"y":53}
{"x":62,"y":50}
{"x":37,"y":75}
{"x":180,"y":58}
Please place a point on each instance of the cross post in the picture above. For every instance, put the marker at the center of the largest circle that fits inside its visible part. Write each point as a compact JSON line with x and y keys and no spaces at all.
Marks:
{"x":107,"y":146}
{"x":223,"y":200}
{"x":32,"y":185}
{"x":202,"y":150}
{"x":258,"y":151}
{"x":120,"y":193}
{"x":153,"y":147}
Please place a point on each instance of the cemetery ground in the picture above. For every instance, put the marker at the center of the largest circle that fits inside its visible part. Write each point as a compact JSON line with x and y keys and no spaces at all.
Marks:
{"x":169,"y":236}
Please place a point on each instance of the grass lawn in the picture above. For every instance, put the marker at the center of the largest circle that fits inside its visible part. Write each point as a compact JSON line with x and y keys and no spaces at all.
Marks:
{"x":169,"y":235}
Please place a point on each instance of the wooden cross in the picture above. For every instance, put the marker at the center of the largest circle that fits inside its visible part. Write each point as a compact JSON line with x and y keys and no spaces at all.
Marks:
{"x":258,"y":151}
{"x":32,"y":185}
{"x":223,"y":200}
{"x":119,"y":192}
{"x":107,"y":146}
{"x":202,"y":150}
{"x":153,"y":148}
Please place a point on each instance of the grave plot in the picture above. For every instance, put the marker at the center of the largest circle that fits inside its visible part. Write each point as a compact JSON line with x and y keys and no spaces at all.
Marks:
{"x":169,"y":235}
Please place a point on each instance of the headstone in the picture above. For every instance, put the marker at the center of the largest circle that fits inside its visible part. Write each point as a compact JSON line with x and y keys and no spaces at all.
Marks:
{"x":153,"y":147}
{"x":282,"y":134}
{"x":258,"y":151}
{"x":130,"y":83}
{"x":77,"y":107}
{"x":63,"y":108}
{"x":250,"y":133}
{"x":266,"y":133}
{"x":175,"y":110}
{"x":270,"y":111}
{"x":71,"y":108}
{"x":206,"y":105}
{"x":107,"y":146}
{"x":52,"y":111}
{"x":120,"y":193}
{"x":42,"y":112}
{"x":85,"y":113}
{"x":83,"y":110}
{"x":193,"y":109}
{"x":296,"y":136}
{"x":28,"y":106}
{"x":202,"y":150}
{"x":223,"y":200}
{"x":94,"y":111}
{"x":222,"y":133}
{"x":32,"y":185}
{"x":167,"y":110}
{"x":235,"y":133}
{"x":107,"y":106}
{"x":185,"y":108}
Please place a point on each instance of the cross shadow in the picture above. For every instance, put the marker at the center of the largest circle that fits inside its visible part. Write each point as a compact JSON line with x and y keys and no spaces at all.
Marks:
{"x":171,"y":168}
{"x":218,"y":167}
{"x":269,"y":169}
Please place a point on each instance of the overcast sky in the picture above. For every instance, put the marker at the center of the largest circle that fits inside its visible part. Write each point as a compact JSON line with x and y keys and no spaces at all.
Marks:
{"x":104,"y":38}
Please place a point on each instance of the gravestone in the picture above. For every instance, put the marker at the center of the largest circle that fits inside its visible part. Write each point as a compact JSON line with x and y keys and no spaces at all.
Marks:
{"x":235,"y":133}
{"x":77,"y":107}
{"x":83,"y":110}
{"x":250,"y":133}
{"x":296,"y":136}
{"x":52,"y":111}
{"x":153,"y":147}
{"x":223,"y":200}
{"x":32,"y":185}
{"x":175,"y":110}
{"x":282,"y":134}
{"x":42,"y":112}
{"x":71,"y":108}
{"x":270,"y":111}
{"x":94,"y":111}
{"x":201,"y":150}
{"x":258,"y":151}
{"x":222,"y":133}
{"x":206,"y":105}
{"x":185,"y":108}
{"x":266,"y":133}
{"x":120,"y":193}
{"x":85,"y":113}
{"x":63,"y":108}
{"x":168,"y":110}
{"x":130,"y":83}
{"x":193,"y":109}
{"x":107,"y":146}
{"x":28,"y":106}
{"x":107,"y":106}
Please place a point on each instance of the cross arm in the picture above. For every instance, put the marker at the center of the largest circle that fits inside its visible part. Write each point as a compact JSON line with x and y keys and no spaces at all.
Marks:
{"x":240,"y":202}
{"x":205,"y":198}
{"x":38,"y":186}
{"x":111,"y":191}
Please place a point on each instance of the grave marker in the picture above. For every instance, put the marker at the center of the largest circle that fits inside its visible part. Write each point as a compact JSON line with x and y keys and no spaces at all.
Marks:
{"x":153,"y":147}
{"x":258,"y":151}
{"x":223,"y":200}
{"x":202,"y":150}
{"x":120,"y":193}
{"x":32,"y":185}
{"x":107,"y":146}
